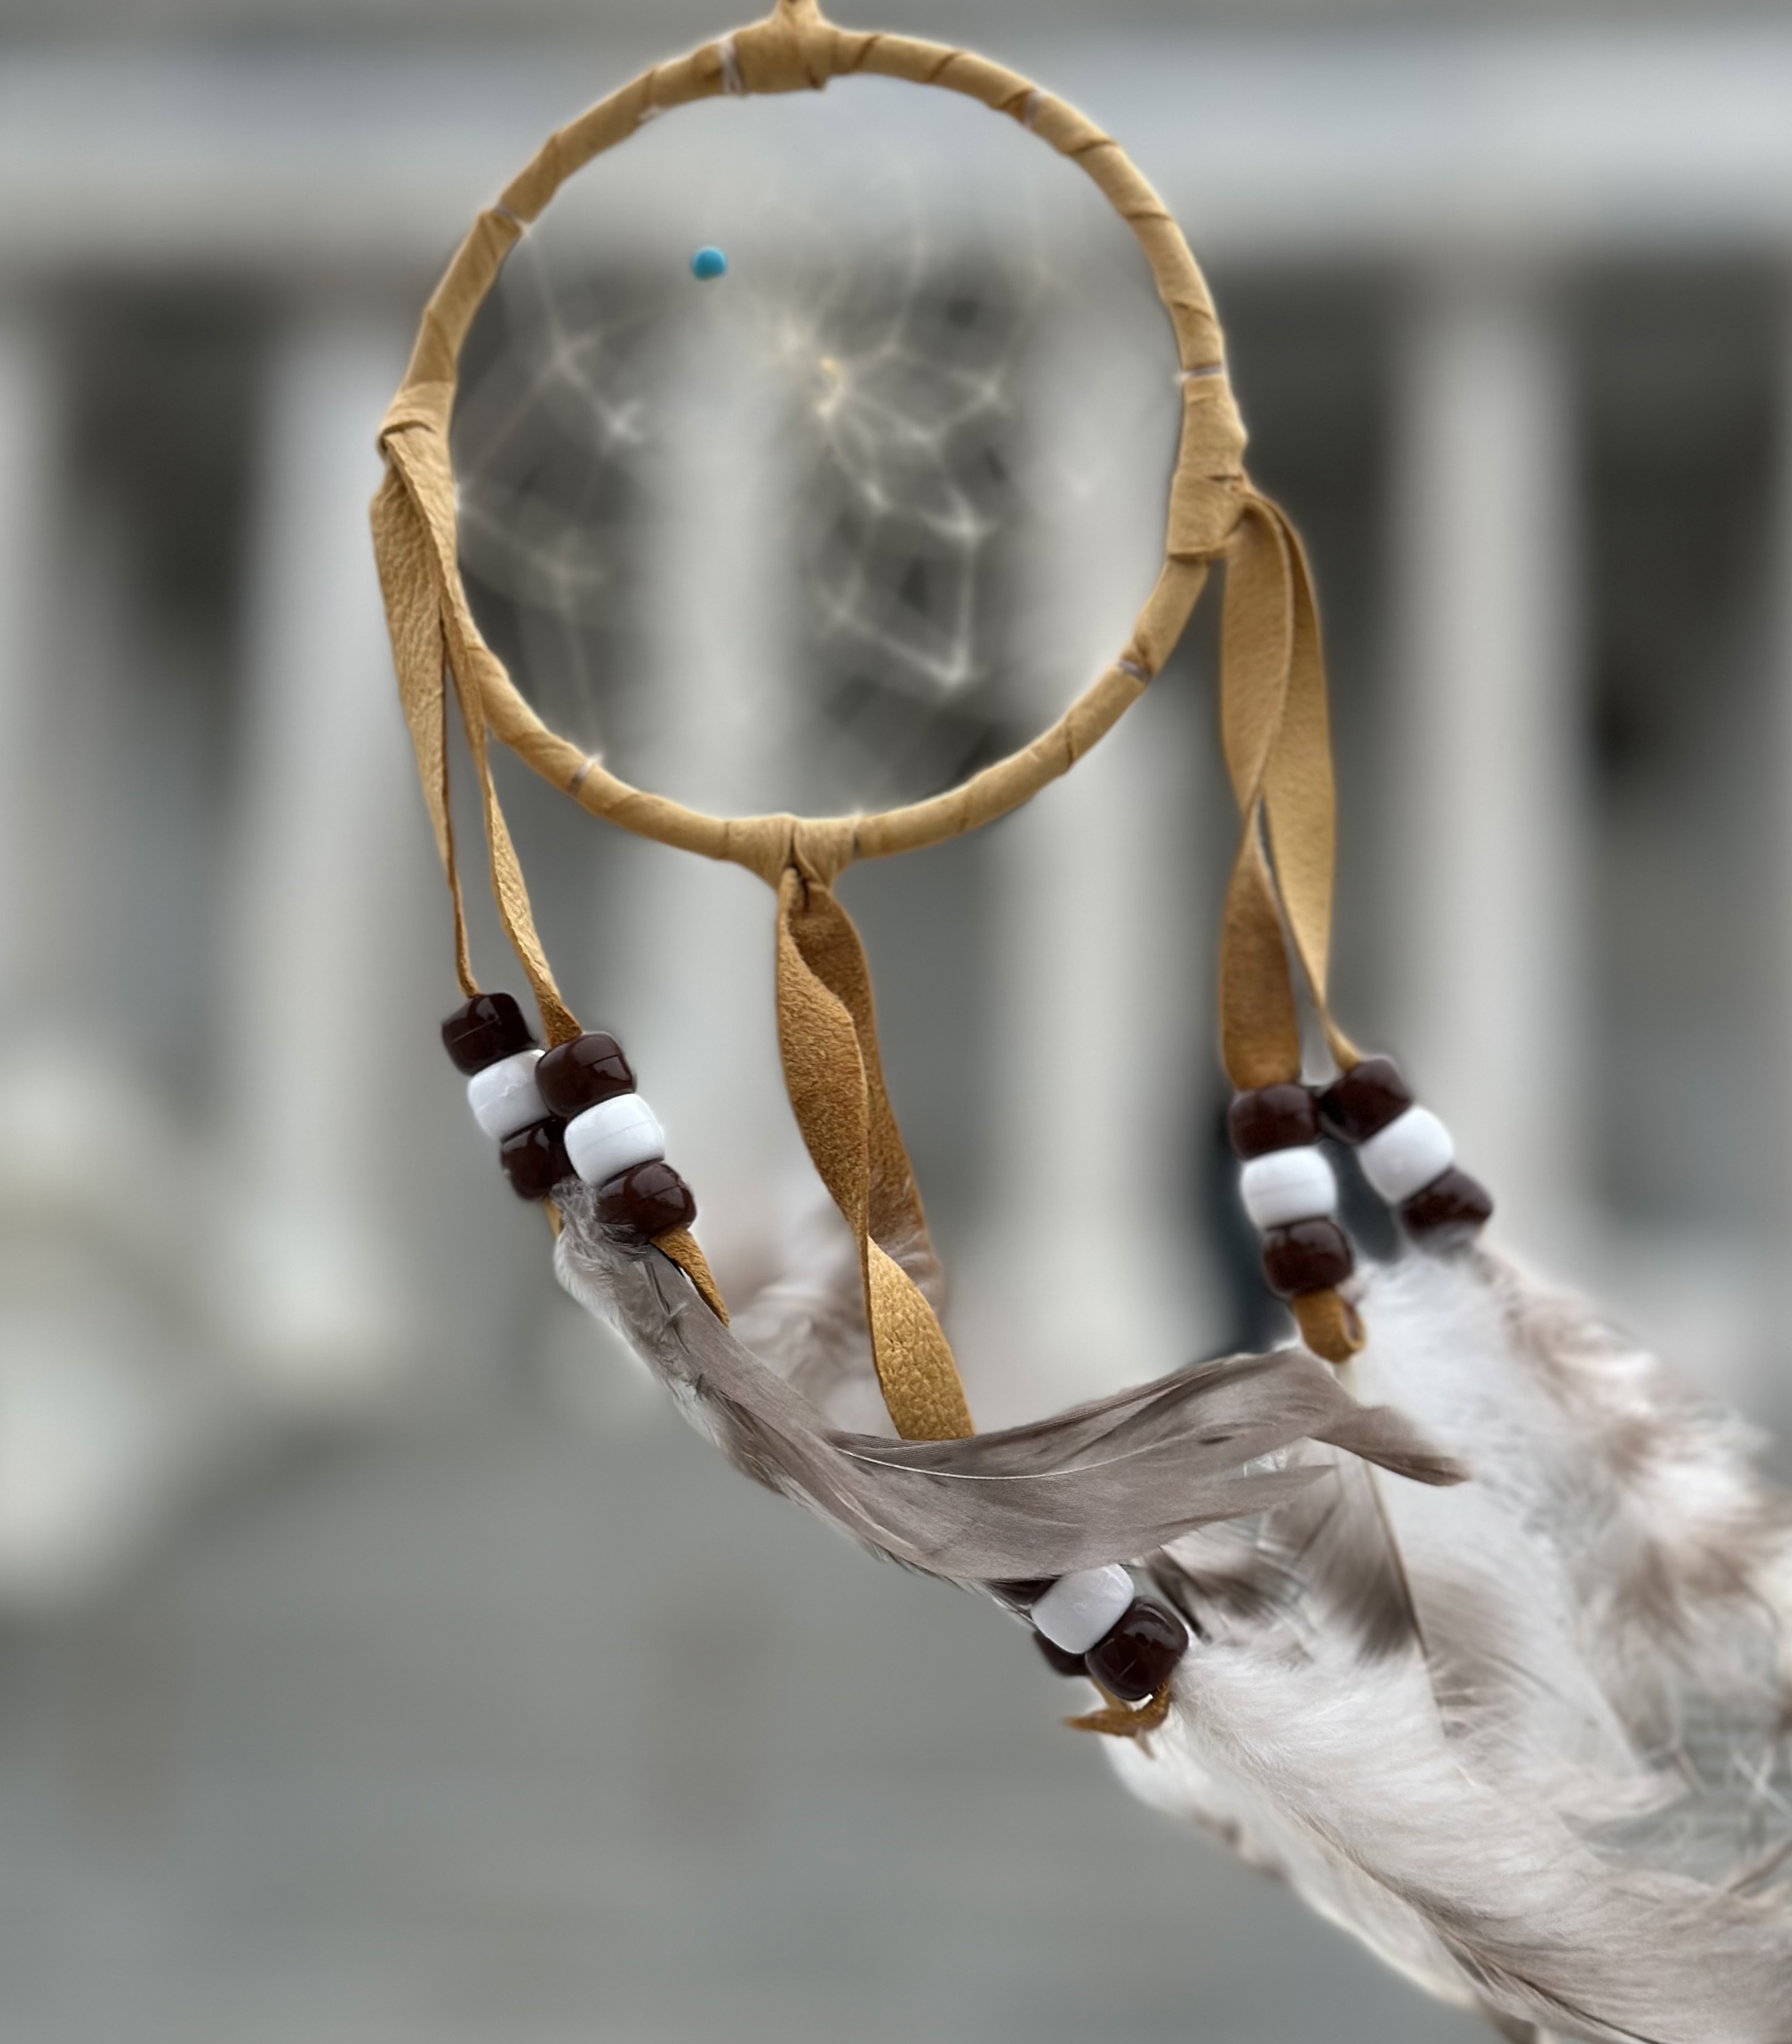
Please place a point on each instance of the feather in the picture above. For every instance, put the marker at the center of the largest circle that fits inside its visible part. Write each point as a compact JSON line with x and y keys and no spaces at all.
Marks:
{"x":1529,"y":1737}
{"x":1106,"y":1481}
{"x":1526,"y":1736}
{"x":809,"y":1322}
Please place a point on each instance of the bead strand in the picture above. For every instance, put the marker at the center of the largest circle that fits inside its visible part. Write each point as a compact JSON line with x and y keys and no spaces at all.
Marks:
{"x":490,"y":1041}
{"x":571,"y":1111}
{"x":1090,"y":1622}
{"x":1289,"y":1189}
{"x":613,"y":1138}
{"x":1406,"y":1154}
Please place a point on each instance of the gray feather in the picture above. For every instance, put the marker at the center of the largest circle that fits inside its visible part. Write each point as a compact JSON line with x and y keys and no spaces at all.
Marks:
{"x":809,"y":1321}
{"x":1108,"y":1482}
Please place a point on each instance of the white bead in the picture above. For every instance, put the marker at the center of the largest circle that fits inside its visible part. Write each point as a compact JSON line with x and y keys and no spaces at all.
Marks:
{"x":1414,"y":1150}
{"x":1288,"y":1185}
{"x":1079,"y":1611}
{"x":503,"y":1096}
{"x":614,"y":1136}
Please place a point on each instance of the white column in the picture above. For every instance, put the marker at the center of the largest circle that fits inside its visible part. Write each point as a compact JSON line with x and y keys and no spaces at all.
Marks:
{"x":328,"y":882}
{"x":1092,"y":1273}
{"x":689,"y":987}
{"x":89,"y":1379}
{"x":1769,"y":1373}
{"x":1487,"y":774}
{"x":108,"y":1405}
{"x":31,"y":417}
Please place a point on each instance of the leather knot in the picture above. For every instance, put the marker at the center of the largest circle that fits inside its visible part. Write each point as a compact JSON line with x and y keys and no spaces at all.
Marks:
{"x":1208,"y":492}
{"x":820,"y":848}
{"x":418,"y":406}
{"x":790,"y":51}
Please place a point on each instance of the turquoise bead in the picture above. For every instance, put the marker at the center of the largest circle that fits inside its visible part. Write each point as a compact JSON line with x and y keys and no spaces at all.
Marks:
{"x":707,"y":263}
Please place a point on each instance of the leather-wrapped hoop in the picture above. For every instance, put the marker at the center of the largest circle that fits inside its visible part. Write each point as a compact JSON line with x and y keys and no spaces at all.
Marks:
{"x":795,"y":49}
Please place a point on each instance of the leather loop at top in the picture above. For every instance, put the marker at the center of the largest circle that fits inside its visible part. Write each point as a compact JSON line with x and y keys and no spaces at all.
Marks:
{"x":791,"y":50}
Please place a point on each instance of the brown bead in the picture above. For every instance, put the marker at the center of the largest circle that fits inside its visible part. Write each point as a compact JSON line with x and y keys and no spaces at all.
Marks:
{"x":490,"y":1027}
{"x":1307,"y":1256}
{"x":1449,"y":1209}
{"x":1139,"y":1655}
{"x":1277,"y":1117}
{"x":646,"y":1201}
{"x":1365,"y":1100}
{"x":574,"y":1076}
{"x":1059,"y":1658}
{"x":535,"y":1159}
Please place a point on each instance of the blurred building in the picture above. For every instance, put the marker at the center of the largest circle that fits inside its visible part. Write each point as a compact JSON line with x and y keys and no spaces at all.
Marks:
{"x":1507,"y":304}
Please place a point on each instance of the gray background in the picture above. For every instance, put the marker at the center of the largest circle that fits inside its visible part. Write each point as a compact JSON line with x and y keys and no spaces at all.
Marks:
{"x":379,"y":1660}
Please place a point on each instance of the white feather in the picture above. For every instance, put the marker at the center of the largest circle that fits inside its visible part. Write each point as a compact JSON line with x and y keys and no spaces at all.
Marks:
{"x":809,"y":1321}
{"x":1527,"y":1736}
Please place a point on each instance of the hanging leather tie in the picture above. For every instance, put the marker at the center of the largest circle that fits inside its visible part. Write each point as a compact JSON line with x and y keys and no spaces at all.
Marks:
{"x":1277,"y":737}
{"x":827,"y":1033}
{"x":432,"y":647}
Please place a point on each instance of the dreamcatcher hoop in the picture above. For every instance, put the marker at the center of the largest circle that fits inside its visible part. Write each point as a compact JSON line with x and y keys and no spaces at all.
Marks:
{"x":1273,"y":716}
{"x":796,"y":49}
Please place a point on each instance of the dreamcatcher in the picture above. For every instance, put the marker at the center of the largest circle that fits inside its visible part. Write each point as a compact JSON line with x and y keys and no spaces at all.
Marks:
{"x":1454,"y":1614}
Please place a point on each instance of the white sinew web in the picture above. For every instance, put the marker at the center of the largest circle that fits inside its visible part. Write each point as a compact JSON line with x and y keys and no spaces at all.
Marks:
{"x":894,"y":370}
